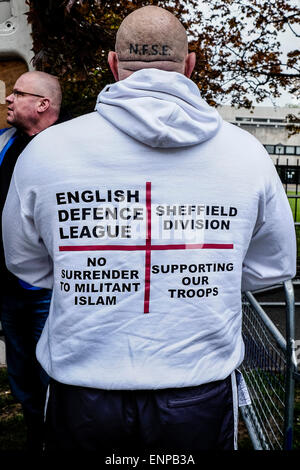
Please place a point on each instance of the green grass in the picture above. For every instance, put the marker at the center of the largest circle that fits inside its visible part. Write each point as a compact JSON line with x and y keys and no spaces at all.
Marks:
{"x":295,"y":205}
{"x":12,"y":427}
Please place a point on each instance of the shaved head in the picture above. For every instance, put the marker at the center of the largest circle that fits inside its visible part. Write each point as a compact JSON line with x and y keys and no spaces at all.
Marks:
{"x":151,"y":34}
{"x":34,"y":103}
{"x":46,"y":85}
{"x":150,"y":37}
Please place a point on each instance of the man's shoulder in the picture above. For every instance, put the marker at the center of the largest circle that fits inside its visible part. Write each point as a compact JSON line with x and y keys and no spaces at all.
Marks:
{"x":235,"y":136}
{"x":83,"y":120}
{"x":3,"y":130}
{"x":242,"y":148}
{"x":50,"y":145}
{"x":239,"y":132}
{"x":5,"y":136}
{"x":8,"y":130}
{"x":72,"y":127}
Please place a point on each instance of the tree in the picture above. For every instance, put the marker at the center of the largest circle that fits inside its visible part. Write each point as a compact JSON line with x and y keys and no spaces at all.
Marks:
{"x":236,"y":42}
{"x":242,"y":44}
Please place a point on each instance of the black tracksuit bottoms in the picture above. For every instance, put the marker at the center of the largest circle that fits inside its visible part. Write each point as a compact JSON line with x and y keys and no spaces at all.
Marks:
{"x":187,"y":419}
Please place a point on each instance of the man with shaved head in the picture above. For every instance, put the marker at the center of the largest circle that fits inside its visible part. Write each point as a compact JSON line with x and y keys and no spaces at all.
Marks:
{"x":32,"y":115}
{"x":147,"y":222}
{"x":33,"y":105}
{"x":151,"y":38}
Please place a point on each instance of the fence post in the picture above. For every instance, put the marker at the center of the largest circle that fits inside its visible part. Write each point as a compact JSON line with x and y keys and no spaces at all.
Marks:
{"x":297,"y":176}
{"x":291,"y":365}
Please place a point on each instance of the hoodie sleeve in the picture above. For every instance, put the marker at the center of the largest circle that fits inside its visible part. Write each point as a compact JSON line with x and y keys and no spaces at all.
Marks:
{"x":25,"y":253}
{"x":271,"y":255}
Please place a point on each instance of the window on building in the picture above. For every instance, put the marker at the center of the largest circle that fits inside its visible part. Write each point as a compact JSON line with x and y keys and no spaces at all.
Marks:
{"x":297,"y":150}
{"x":279,"y":149}
{"x":290,"y":150}
{"x":260,"y":119}
{"x":243,"y":119}
{"x":270,"y":148}
{"x":277,"y":120}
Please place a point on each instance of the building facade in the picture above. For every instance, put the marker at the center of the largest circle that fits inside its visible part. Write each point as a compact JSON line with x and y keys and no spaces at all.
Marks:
{"x":269,"y":126}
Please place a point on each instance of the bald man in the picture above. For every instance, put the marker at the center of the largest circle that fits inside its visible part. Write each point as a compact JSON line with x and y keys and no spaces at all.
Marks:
{"x":147,"y":221}
{"x":151,"y":38}
{"x":33,"y":105}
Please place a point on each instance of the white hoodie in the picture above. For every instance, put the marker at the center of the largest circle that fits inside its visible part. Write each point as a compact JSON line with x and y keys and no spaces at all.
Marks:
{"x":146,"y":218}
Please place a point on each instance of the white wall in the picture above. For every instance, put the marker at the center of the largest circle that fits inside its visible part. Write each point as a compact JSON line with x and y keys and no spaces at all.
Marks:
{"x":15,"y":32}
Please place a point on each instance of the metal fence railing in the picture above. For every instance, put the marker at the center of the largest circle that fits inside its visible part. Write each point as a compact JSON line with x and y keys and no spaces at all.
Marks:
{"x":295,"y":207}
{"x":289,"y":173}
{"x":270,"y":371}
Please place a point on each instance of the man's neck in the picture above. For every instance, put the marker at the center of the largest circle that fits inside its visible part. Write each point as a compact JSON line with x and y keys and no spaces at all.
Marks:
{"x":34,"y":130}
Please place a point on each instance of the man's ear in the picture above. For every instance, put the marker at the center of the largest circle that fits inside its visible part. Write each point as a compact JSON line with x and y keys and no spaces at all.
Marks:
{"x":190,"y":63}
{"x":113,"y":63}
{"x":43,"y":105}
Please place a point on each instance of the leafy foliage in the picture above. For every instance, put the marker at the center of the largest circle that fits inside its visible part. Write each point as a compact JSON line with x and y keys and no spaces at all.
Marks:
{"x":242,"y":39}
{"x":294,"y":124}
{"x":236,"y":42}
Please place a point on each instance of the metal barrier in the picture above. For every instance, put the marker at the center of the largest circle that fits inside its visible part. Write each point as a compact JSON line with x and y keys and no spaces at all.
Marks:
{"x":270,"y":370}
{"x":295,"y":208}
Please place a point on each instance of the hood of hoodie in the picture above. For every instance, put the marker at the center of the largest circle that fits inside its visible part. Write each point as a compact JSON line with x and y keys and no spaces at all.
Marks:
{"x":160,"y":109}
